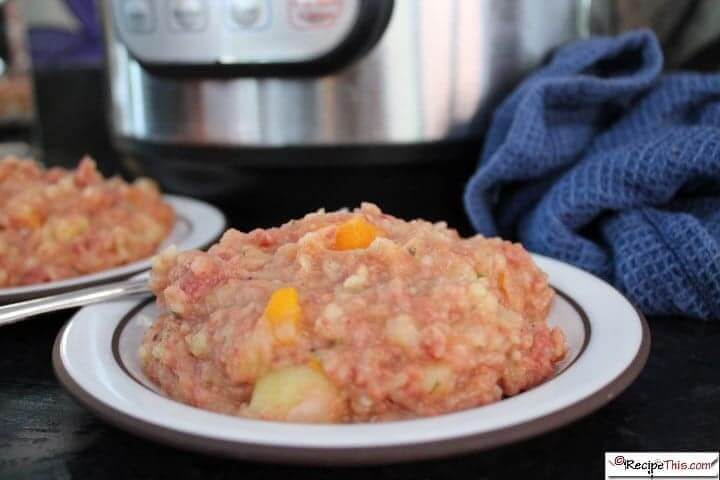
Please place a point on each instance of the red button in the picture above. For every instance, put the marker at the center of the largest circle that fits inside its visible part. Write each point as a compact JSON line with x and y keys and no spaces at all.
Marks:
{"x":315,"y":14}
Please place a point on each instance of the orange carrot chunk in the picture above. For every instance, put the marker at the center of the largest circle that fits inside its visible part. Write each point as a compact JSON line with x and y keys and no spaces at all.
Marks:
{"x":355,"y":233}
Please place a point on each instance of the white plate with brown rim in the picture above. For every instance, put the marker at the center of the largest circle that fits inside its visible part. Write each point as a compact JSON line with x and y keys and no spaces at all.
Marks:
{"x":96,"y":359}
{"x":197,"y":225}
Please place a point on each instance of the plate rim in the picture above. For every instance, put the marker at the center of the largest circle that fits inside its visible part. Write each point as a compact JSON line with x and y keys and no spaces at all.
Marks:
{"x":29,"y":292}
{"x":316,"y":455}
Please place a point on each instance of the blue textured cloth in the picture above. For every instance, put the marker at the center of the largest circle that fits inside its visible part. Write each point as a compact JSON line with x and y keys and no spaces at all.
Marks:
{"x":602,"y":161}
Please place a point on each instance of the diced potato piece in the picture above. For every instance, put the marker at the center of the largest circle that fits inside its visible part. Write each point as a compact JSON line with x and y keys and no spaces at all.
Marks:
{"x":401,"y":331}
{"x":176,"y":299}
{"x":476,"y":336}
{"x":355,"y":233}
{"x":165,"y":259}
{"x":203,"y":265}
{"x":252,"y":357}
{"x":482,"y":297}
{"x":357,"y":280}
{"x":144,"y":355}
{"x":559,"y":347}
{"x":283,"y":312}
{"x":71,"y":227}
{"x":438,"y":379}
{"x":331,"y":324}
{"x":158,"y":351}
{"x":299,"y":394}
{"x":198,"y":344}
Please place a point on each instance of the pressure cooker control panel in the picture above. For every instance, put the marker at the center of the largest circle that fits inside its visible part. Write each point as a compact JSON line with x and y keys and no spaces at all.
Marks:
{"x":222,"y":36}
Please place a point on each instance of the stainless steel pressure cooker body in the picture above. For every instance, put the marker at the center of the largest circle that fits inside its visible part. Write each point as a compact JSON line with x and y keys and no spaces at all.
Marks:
{"x":245,"y":78}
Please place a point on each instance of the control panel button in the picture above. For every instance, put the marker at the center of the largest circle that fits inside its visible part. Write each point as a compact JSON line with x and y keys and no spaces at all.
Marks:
{"x":246,"y":13}
{"x":138,"y":16}
{"x":188,"y":15}
{"x":315,"y":14}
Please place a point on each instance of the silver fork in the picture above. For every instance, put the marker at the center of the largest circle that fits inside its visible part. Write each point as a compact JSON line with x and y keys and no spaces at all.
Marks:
{"x":77,"y":298}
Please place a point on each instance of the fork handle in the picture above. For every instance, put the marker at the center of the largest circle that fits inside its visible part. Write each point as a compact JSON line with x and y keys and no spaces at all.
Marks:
{"x":77,"y":298}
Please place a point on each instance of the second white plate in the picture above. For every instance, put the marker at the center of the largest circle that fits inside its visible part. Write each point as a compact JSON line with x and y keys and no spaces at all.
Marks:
{"x":197,"y":225}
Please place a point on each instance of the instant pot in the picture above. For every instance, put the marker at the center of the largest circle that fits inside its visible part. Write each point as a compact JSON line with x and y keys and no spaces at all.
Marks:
{"x":199,"y":86}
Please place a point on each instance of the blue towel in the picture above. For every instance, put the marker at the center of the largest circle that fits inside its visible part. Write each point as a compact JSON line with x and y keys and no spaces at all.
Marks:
{"x":602,"y":161}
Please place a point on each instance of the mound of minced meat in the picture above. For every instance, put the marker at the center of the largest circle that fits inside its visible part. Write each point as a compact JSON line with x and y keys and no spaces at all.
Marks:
{"x":57,"y":223}
{"x":349,"y":316}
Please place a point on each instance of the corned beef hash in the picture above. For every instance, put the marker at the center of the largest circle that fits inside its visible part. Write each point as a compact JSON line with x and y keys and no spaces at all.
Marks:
{"x":350,"y":316}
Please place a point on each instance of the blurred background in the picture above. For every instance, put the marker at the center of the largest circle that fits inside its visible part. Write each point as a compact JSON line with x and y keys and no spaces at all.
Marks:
{"x":397,"y":120}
